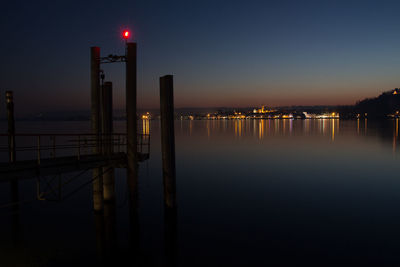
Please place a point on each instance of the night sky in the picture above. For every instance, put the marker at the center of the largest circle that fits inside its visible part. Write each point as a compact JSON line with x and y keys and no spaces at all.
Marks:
{"x":222,"y":53}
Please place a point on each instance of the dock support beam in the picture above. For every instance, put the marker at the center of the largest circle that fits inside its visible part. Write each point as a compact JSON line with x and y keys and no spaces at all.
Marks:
{"x":171,"y":237}
{"x":11,"y":142}
{"x":168,"y":167}
{"x":131,"y":125}
{"x":107,"y":130}
{"x":96,"y":129}
{"x":168,"y":140}
{"x":11,"y":125}
{"x":132,"y":157}
{"x":14,"y":188}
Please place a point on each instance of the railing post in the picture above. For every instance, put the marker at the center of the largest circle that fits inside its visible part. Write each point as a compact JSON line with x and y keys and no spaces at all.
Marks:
{"x":119,"y":143}
{"x":11,"y":125}
{"x":141,"y":142}
{"x":54,"y":146}
{"x":79,"y":147}
{"x":38,"y":149}
{"x":148,"y":143}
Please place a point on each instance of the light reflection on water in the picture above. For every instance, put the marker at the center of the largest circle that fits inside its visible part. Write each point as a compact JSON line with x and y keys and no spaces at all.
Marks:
{"x":250,"y":192}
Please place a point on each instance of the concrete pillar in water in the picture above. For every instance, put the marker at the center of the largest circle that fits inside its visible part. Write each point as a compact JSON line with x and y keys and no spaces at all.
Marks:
{"x":95,"y":123}
{"x":131,"y":125}
{"x":107,"y":130}
{"x":168,"y":140}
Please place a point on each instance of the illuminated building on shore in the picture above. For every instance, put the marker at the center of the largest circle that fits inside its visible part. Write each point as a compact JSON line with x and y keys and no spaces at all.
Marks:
{"x":262,"y":110}
{"x":332,"y":115}
{"x":263,"y":113}
{"x":146,"y":116}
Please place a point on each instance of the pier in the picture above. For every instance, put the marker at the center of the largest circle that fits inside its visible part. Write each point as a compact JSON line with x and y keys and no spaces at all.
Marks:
{"x":75,"y":151}
{"x":100,"y":150}
{"x":47,"y":157}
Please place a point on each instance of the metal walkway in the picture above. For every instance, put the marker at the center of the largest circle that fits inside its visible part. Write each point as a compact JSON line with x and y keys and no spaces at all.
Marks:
{"x":75,"y":150}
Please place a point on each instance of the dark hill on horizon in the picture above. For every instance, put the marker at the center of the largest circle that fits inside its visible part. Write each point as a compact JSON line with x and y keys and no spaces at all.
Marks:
{"x":379,"y":107}
{"x":387,"y":103}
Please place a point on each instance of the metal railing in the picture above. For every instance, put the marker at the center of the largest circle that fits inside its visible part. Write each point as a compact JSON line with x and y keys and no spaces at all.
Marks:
{"x":45,"y":146}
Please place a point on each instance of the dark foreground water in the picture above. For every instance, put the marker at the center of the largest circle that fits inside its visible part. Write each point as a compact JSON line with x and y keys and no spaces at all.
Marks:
{"x":250,"y":193}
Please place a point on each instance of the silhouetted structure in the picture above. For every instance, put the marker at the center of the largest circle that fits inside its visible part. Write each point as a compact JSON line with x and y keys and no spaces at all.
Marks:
{"x":96,"y":126}
{"x":107,"y":129}
{"x":105,"y":155}
{"x":168,"y":167}
{"x":381,"y":106}
{"x":168,"y":140}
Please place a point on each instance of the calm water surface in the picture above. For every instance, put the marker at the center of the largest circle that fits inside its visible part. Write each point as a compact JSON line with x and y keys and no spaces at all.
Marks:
{"x":250,"y":193}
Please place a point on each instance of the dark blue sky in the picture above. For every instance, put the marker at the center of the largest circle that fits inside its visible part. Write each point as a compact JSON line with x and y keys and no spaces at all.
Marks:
{"x":222,"y":53}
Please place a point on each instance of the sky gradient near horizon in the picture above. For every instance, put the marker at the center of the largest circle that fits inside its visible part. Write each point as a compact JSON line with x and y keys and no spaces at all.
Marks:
{"x":221,"y":53}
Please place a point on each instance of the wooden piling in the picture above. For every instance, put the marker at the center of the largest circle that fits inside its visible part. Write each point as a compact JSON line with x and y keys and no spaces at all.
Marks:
{"x":100,"y":236}
{"x":136,"y":254}
{"x":95,"y":122}
{"x":14,"y":188}
{"x":110,"y":230}
{"x":11,"y":125}
{"x":168,"y":140}
{"x":171,"y":237}
{"x":11,"y":142}
{"x":107,"y":130}
{"x":131,"y":125}
{"x":132,"y":157}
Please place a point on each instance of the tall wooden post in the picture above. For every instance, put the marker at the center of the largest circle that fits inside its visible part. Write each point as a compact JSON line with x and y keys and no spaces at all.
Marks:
{"x":11,"y":125}
{"x":100,"y":236}
{"x":11,"y":141}
{"x":168,"y":139}
{"x":171,"y":237}
{"x":132,"y":157}
{"x":110,"y":232}
{"x":131,"y":125}
{"x":107,"y":130}
{"x":168,"y":166}
{"x":95,"y":121}
{"x":14,"y":188}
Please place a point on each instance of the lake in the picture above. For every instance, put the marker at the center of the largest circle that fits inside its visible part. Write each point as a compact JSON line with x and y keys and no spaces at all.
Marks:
{"x":249,"y":193}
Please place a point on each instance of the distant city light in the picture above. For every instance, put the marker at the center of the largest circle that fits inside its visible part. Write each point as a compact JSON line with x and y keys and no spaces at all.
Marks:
{"x":146,"y":116}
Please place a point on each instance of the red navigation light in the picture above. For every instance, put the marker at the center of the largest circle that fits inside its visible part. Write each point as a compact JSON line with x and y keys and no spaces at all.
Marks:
{"x":126,"y":35}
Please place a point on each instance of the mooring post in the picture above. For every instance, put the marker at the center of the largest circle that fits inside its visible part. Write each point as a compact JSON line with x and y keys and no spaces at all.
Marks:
{"x":11,"y":125}
{"x":11,"y":141}
{"x":168,"y":166}
{"x":171,"y":236}
{"x":168,"y":140}
{"x":100,"y":236}
{"x":131,"y":125}
{"x":107,"y":130}
{"x":96,"y":129}
{"x":110,"y":231}
{"x":14,"y":188}
{"x":131,"y":150}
